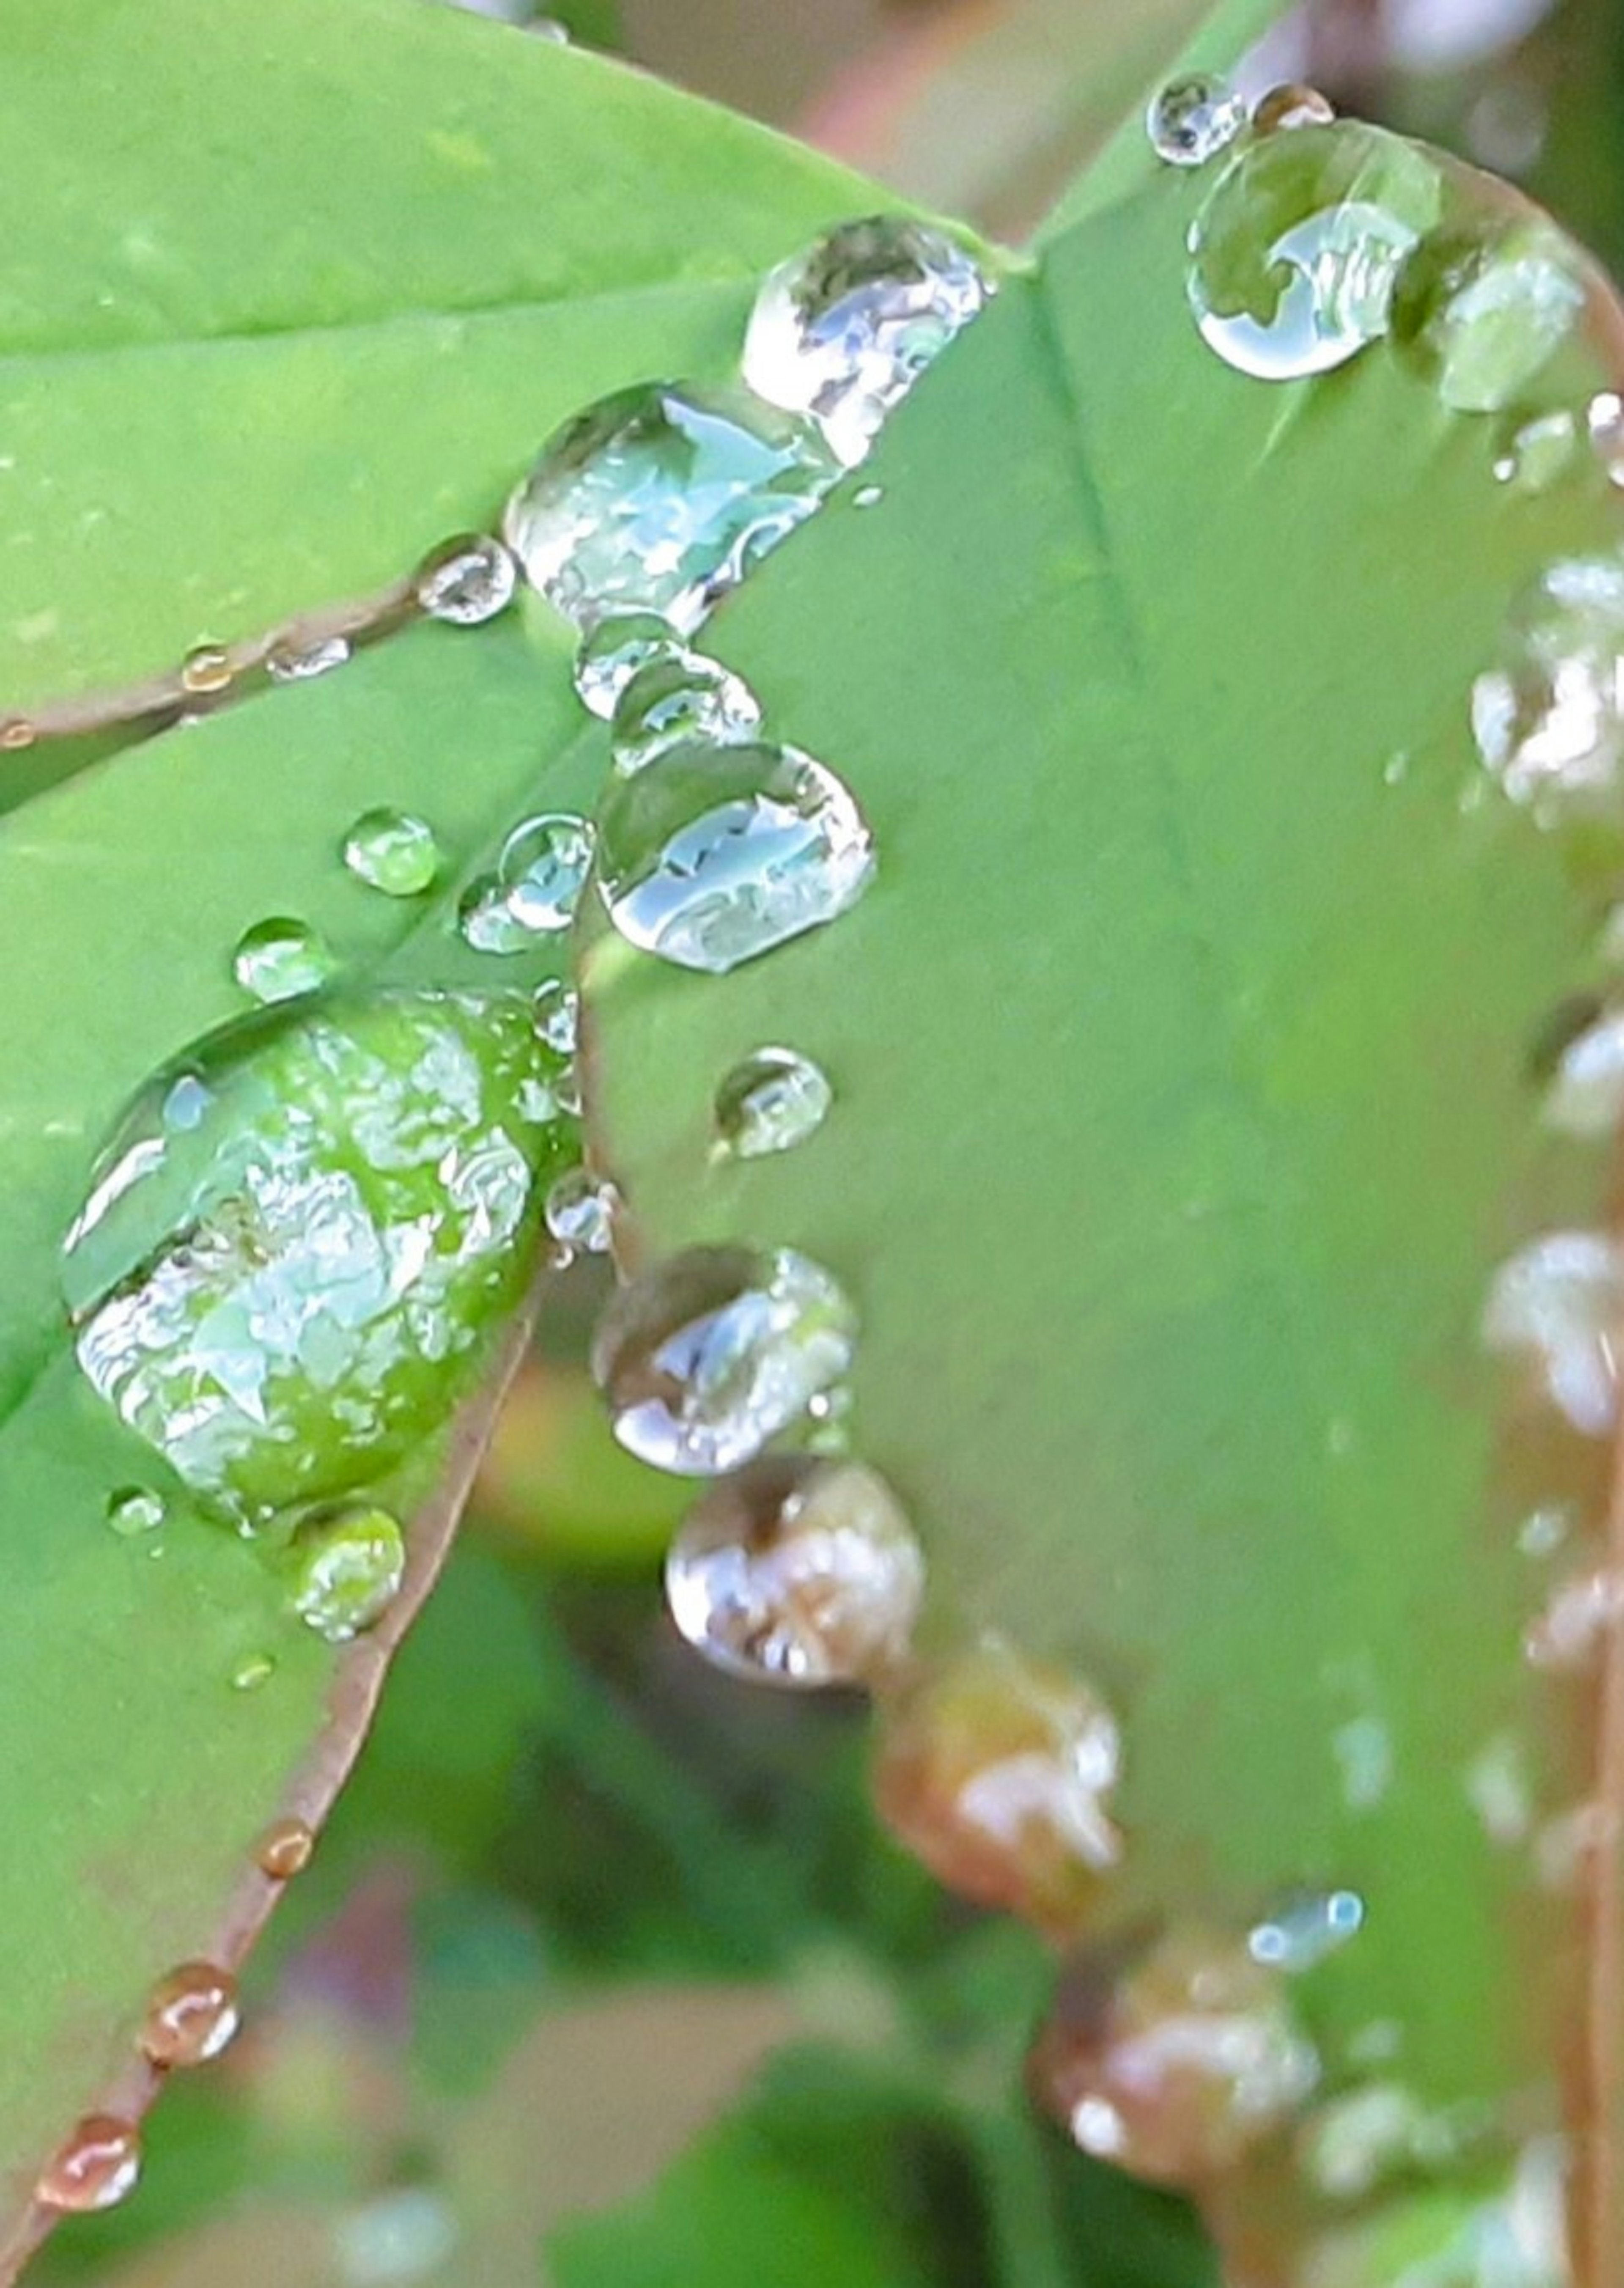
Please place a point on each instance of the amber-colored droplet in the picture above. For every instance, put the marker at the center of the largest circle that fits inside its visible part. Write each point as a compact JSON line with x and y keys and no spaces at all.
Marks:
{"x":16,"y":733}
{"x":1292,"y":105}
{"x":206,"y":671}
{"x":191,"y":2016}
{"x":284,"y":1849}
{"x":94,"y":2168}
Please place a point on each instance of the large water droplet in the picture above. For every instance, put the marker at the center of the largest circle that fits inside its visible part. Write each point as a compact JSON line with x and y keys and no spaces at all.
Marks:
{"x":285,"y":1848}
{"x":797,"y":1571}
{"x":134,"y":1511}
{"x":393,"y":851}
{"x":682,"y":697}
{"x":191,"y":2016}
{"x":844,"y":330}
{"x":1297,"y":253}
{"x":253,"y":1671}
{"x":998,"y":1773}
{"x":467,"y":581}
{"x":1483,"y":308}
{"x":542,"y":868}
{"x":487,"y":923}
{"x":1549,"y":719}
{"x":279,"y":958}
{"x":713,"y":1353}
{"x":1560,"y":1305}
{"x":345,"y":1572}
{"x":771,"y":1101}
{"x":207,"y":671}
{"x":94,"y":2168}
{"x":714,"y":854}
{"x":580,"y":1212}
{"x":557,"y":1011}
{"x":661,"y":499}
{"x":284,"y":1291}
{"x":1191,"y":120}
{"x":621,"y":645}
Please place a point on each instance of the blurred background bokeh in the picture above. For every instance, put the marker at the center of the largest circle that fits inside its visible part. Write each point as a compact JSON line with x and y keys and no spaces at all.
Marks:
{"x":602,"y":1975}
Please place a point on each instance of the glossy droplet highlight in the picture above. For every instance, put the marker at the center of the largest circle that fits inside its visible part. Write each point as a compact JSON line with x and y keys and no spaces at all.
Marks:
{"x":1295,"y":255}
{"x":345,"y":1572}
{"x":771,"y":1101}
{"x":487,"y":922}
{"x":580,"y":1212}
{"x":711,"y":1354}
{"x":844,"y":330}
{"x":661,"y":499}
{"x":134,"y":1511}
{"x":278,"y":959}
{"x":285,"y":1848}
{"x":621,"y":645}
{"x":998,"y":1773}
{"x":191,"y":2016}
{"x":206,"y":672}
{"x":94,"y":2168}
{"x":1559,"y":1307}
{"x":467,"y":581}
{"x":797,"y":1571}
{"x":678,"y":698}
{"x":712,"y":856}
{"x":290,"y":661}
{"x":1292,"y":104}
{"x":1191,"y":120}
{"x":1483,"y":308}
{"x":1301,"y":1932}
{"x":1549,"y":718}
{"x":543,"y":867}
{"x":393,"y":851}
{"x":254,"y":1670}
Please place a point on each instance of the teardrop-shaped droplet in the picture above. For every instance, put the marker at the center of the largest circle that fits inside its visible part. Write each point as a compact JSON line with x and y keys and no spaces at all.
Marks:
{"x":713,"y":856}
{"x":1483,"y":308}
{"x":134,"y":1511}
{"x":661,"y":499}
{"x":557,"y":1009}
{"x":346,"y":1570}
{"x":711,"y":1354}
{"x":393,"y":851}
{"x":543,"y":867}
{"x":94,"y":2168}
{"x":291,"y":660}
{"x":679,"y":697}
{"x":797,"y":1571}
{"x":191,"y":2016}
{"x":1192,"y":119}
{"x":279,"y":959}
{"x":207,"y":671}
{"x":620,"y":646}
{"x":1560,"y":1305}
{"x":17,"y":734}
{"x":487,"y":922}
{"x":580,"y":1212}
{"x":285,"y":1848}
{"x":844,"y":330}
{"x":467,"y":581}
{"x":1549,"y":718}
{"x":1295,"y":255}
{"x":254,"y":1670}
{"x":771,"y":1101}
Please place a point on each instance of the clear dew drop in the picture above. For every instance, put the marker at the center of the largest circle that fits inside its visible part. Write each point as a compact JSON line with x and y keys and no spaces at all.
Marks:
{"x":797,"y":1571}
{"x":557,"y":1011}
{"x":1585,"y":1094}
{"x":713,"y":1353}
{"x":681,"y":698}
{"x":207,"y":671}
{"x":771,"y":1101}
{"x":487,"y":922}
{"x":467,"y":581}
{"x":1292,"y":104}
{"x":1191,"y":120}
{"x":1483,"y":308}
{"x":580,"y":1212}
{"x":285,"y":1848}
{"x":714,"y":855}
{"x":290,"y":661}
{"x":134,"y":1511}
{"x":1295,"y":257}
{"x":393,"y":851}
{"x":843,"y":331}
{"x":1303,"y":1930}
{"x":1549,"y":718}
{"x":621,"y":645}
{"x":345,"y":1572}
{"x":543,"y":870}
{"x":661,"y":499}
{"x":1559,"y":1307}
{"x":279,"y":959}
{"x":96,"y":2167}
{"x":252,"y":1672}
{"x":1540,"y":453}
{"x":191,"y":2016}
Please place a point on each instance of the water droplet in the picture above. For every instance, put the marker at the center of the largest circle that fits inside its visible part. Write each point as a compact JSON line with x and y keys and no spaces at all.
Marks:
{"x":346,"y":1571}
{"x":711,"y":1354}
{"x":1179,"y":2066}
{"x":134,"y":1511}
{"x":206,"y":671}
{"x":617,"y":648}
{"x":281,"y":957}
{"x":1366,"y":2137}
{"x":285,"y":1848}
{"x":1499,"y":1790}
{"x":1560,"y":1304}
{"x":713,"y":856}
{"x":1191,"y":120}
{"x":1302,"y":1931}
{"x":191,"y":2016}
{"x":678,"y":698}
{"x":94,"y":2168}
{"x":1540,"y":452}
{"x":1293,"y":104}
{"x":393,"y":851}
{"x":1550,"y":721}
{"x":293,"y":662}
{"x":1582,"y":1614}
{"x":771,"y":1101}
{"x":580,"y":1212}
{"x":557,"y":1008}
{"x":998,"y":1774}
{"x":287,"y":1296}
{"x":15,"y":734}
{"x":1543,"y":1533}
{"x":543,"y":867}
{"x":844,"y":330}
{"x":467,"y":581}
{"x":797,"y":1571}
{"x":252,"y":1671}
{"x":1297,"y":253}
{"x":1483,"y":308}
{"x":661,"y":499}
{"x":1586,"y":1096}
{"x":868,"y":495}
{"x":487,"y":923}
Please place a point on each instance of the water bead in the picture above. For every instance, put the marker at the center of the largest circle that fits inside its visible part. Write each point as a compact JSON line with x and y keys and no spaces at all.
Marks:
{"x":555,"y":1009}
{"x":467,"y":581}
{"x":614,"y":651}
{"x":94,"y":2168}
{"x":711,"y":1354}
{"x":580,"y":1211}
{"x":661,"y":499}
{"x":191,"y":2016}
{"x":487,"y":922}
{"x":1191,"y":120}
{"x":844,"y":331}
{"x":254,"y":1670}
{"x":346,"y":1570}
{"x":711,"y":856}
{"x":291,"y":662}
{"x":771,"y":1101}
{"x":1295,"y":257}
{"x":1292,"y":104}
{"x":279,"y":958}
{"x":678,"y":698}
{"x":1560,"y":1304}
{"x":134,"y":1511}
{"x":393,"y":851}
{"x":1483,"y":308}
{"x":1548,"y":718}
{"x":207,"y":671}
{"x":543,"y":870}
{"x":285,"y":1848}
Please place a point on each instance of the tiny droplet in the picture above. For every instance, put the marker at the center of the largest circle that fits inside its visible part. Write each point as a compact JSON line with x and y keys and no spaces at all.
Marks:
{"x":94,"y":2168}
{"x":206,"y":671}
{"x":1191,"y":120}
{"x":191,"y":2016}
{"x":393,"y":851}
{"x":281,"y":957}
{"x":467,"y":581}
{"x":284,"y":1849}
{"x":771,"y":1101}
{"x":580,"y":1211}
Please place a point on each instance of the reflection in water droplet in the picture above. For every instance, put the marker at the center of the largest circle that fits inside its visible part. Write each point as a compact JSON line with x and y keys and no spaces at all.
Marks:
{"x":1191,"y":120}
{"x":1303,"y":1930}
{"x":345,"y":1572}
{"x":556,"y":1010}
{"x":714,"y":855}
{"x":1550,"y":721}
{"x":771,"y":1101}
{"x":285,"y":1848}
{"x":393,"y":851}
{"x":580,"y":1212}
{"x":617,"y":648}
{"x":279,"y":959}
{"x":191,"y":2016}
{"x":797,"y":1571}
{"x":661,"y":499}
{"x":1482,"y":309}
{"x":253,"y":1670}
{"x":1581,"y":1615}
{"x":206,"y":671}
{"x":844,"y":330}
{"x":1560,"y":1304}
{"x":1292,"y":104}
{"x":134,"y":1511}
{"x":998,"y":1774}
{"x":711,"y":1354}
{"x":1296,"y":254}
{"x":679,"y":698}
{"x":290,"y":661}
{"x":487,"y":923}
{"x":1586,"y":1096}
{"x":1540,"y":452}
{"x":95,"y":2168}
{"x":543,"y":867}
{"x":467,"y":581}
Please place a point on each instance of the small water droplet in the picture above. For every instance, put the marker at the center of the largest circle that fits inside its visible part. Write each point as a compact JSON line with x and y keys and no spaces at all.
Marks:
{"x":285,"y":1848}
{"x":868,"y":495}
{"x":1191,"y":120}
{"x":557,"y":1012}
{"x":191,"y":2016}
{"x":580,"y":1212}
{"x":206,"y":671}
{"x":487,"y":923}
{"x":712,"y":1353}
{"x":1499,"y":1790}
{"x":797,"y":1571}
{"x":346,"y":1571}
{"x":543,"y":867}
{"x":1586,"y":1096}
{"x":1483,"y":308}
{"x":467,"y":581}
{"x":679,"y":698}
{"x":292,"y":661}
{"x":254,"y":1670}
{"x":1297,"y":253}
{"x":393,"y":851}
{"x":134,"y":1511}
{"x":620,"y":645}
{"x":279,"y":958}
{"x":1582,"y":1613}
{"x":714,"y":855}
{"x":661,"y":499}
{"x":15,"y":734}
{"x":1540,"y":452}
{"x":95,"y":2168}
{"x":771,"y":1101}
{"x":1292,"y":104}
{"x":844,"y":331}
{"x":1550,"y":721}
{"x":1560,"y":1305}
